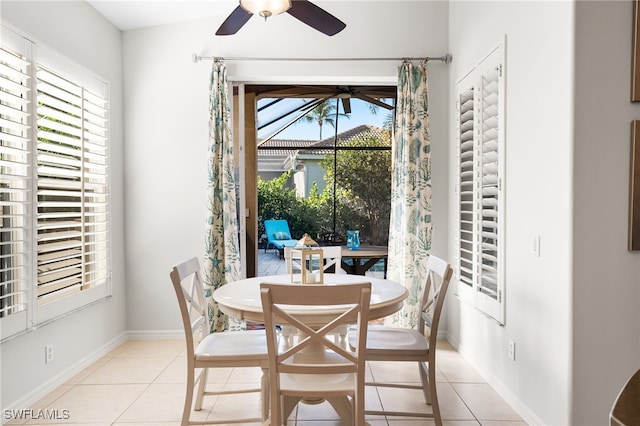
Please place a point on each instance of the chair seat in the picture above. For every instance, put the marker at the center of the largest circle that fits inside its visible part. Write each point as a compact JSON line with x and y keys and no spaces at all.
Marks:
{"x":331,"y":384}
{"x":281,"y":244}
{"x":394,"y":343}
{"x":233,"y":346}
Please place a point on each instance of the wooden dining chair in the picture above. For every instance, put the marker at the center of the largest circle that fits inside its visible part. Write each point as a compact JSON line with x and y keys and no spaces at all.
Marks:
{"x":217,"y":350}
{"x":314,"y":366}
{"x":406,"y":345}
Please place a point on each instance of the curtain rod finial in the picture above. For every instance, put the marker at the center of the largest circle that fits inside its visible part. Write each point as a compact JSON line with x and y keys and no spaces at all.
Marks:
{"x":196,"y":58}
{"x":447,"y":58}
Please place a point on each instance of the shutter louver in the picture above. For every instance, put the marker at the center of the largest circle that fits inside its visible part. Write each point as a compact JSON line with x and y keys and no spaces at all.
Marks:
{"x":96,"y":190}
{"x":489,"y":183}
{"x":466,"y":187}
{"x":72,"y":187}
{"x":14,"y":183}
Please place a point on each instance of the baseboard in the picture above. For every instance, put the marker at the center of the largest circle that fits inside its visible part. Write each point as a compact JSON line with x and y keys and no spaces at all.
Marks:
{"x":49,"y":386}
{"x":154,"y":334}
{"x":44,"y":389}
{"x":518,"y":406}
{"x":453,"y":342}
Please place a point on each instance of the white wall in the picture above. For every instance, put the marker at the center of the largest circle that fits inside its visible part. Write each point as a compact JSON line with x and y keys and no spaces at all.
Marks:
{"x":539,"y":49}
{"x":166,"y":103}
{"x":574,"y":312}
{"x":570,"y":311}
{"x":89,"y":40}
{"x":606,"y":287}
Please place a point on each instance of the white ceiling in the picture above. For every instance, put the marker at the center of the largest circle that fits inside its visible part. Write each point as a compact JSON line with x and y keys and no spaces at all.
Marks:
{"x":133,"y":14}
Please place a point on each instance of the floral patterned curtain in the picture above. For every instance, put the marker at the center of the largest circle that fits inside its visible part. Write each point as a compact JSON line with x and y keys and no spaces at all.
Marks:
{"x":410,"y":223}
{"x":222,"y":250}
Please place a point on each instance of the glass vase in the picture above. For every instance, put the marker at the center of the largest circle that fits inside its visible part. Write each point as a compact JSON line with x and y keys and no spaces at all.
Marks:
{"x":353,"y":240}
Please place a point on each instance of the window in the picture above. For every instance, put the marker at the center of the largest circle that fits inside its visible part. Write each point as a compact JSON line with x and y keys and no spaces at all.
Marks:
{"x":54,"y":186}
{"x":337,"y":140}
{"x":480,"y":188}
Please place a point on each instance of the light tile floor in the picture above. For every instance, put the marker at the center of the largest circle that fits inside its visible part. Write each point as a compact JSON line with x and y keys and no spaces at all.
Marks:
{"x":142,"y":383}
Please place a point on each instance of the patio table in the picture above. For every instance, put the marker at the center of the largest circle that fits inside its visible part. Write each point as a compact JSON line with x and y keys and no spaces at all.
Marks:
{"x":363,"y":259}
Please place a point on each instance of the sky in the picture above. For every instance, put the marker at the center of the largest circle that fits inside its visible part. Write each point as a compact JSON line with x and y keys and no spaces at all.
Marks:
{"x":360,"y":114}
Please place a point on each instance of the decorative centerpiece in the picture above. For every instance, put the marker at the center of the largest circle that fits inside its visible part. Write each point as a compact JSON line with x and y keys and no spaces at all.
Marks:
{"x":310,"y":269}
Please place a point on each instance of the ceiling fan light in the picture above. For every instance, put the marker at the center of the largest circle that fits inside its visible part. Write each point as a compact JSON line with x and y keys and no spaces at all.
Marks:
{"x":265,"y":8}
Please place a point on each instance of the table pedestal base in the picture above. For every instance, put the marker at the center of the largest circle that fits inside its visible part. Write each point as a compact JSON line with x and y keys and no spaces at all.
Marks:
{"x":342,"y":405}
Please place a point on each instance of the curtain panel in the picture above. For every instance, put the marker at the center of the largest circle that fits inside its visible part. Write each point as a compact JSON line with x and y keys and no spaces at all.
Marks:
{"x":410,"y":222}
{"x":222,"y":250}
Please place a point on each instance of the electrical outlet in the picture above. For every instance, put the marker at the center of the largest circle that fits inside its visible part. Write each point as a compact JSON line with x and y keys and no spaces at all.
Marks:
{"x":512,"y":350}
{"x":536,"y":245}
{"x":48,"y":354}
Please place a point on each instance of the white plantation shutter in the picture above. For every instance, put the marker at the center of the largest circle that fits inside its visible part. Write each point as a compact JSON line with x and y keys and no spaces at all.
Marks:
{"x":14,"y":188}
{"x":480,"y":131}
{"x":491,"y":164}
{"x":72,"y":187}
{"x":54,"y":186}
{"x":466,"y":189}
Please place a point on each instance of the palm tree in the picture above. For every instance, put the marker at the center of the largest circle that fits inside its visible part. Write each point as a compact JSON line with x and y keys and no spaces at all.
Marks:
{"x":387,"y":124}
{"x":323,"y":113}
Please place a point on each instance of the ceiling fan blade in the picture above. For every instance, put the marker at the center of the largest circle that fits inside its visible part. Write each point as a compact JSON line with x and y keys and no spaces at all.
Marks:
{"x":234,"y":22}
{"x":316,"y":17}
{"x":346,"y":105}
{"x":373,"y":101}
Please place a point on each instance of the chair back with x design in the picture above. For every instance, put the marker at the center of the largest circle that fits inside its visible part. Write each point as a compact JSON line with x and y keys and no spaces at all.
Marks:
{"x":313,"y":364}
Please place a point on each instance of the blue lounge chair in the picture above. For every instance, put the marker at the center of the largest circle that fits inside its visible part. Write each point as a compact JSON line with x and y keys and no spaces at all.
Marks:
{"x":278,"y":235}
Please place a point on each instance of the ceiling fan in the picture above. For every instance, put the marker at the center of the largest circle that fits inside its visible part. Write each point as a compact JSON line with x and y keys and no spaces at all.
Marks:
{"x":302,"y":10}
{"x":369,"y":94}
{"x":348,"y":92}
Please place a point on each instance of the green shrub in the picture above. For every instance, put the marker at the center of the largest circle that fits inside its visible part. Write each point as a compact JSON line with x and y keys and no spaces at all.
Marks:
{"x":363,"y":197}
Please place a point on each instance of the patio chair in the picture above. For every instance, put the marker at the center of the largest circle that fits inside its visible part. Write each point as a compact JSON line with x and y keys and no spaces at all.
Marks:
{"x":278,"y":235}
{"x":405,"y":345}
{"x":314,"y":367}
{"x":229,"y":349}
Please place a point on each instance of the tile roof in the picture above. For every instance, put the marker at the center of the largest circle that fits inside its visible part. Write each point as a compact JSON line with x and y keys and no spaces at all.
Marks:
{"x":282,"y":147}
{"x":285,"y":147}
{"x":364,"y":130}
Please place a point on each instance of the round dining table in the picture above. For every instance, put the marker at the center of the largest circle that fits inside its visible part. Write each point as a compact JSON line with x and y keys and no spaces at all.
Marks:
{"x":241,"y":299}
